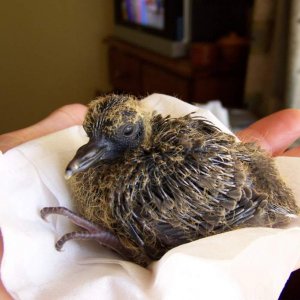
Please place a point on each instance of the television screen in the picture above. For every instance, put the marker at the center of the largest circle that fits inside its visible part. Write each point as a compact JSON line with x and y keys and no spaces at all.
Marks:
{"x":149,"y":13}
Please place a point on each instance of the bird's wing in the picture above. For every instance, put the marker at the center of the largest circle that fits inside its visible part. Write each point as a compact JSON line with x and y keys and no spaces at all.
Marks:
{"x":221,"y":177}
{"x":210,"y":191}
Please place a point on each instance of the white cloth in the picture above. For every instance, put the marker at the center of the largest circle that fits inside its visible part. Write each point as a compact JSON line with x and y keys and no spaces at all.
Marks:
{"x":250,"y":263}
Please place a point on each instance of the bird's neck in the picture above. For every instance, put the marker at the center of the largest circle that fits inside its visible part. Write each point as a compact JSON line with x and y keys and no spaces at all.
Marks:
{"x":147,"y":140}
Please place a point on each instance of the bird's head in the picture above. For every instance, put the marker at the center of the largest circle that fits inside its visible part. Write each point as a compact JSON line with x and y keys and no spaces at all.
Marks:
{"x":115,"y":124}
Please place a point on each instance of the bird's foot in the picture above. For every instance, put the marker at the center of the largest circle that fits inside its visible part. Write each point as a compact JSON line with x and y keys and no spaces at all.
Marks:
{"x":92,"y":231}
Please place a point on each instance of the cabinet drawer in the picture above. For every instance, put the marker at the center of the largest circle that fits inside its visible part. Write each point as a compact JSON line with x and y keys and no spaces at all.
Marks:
{"x":124,"y":71}
{"x":158,"y":80}
{"x":227,"y":89}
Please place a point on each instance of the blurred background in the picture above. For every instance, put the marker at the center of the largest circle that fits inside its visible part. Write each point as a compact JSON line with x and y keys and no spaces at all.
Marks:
{"x":244,"y":53}
{"x":51,"y":54}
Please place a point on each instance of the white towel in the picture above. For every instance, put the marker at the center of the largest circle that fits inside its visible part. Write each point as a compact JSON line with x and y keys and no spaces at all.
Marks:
{"x":249,"y":263}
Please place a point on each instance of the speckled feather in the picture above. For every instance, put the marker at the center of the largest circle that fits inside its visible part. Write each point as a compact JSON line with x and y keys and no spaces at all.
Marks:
{"x":185,"y":180}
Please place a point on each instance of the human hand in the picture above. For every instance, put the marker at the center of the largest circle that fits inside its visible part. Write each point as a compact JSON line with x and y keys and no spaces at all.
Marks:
{"x":274,"y":133}
{"x":63,"y":117}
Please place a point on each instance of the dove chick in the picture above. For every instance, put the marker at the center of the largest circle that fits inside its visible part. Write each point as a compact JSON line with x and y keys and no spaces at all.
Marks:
{"x":145,"y":183}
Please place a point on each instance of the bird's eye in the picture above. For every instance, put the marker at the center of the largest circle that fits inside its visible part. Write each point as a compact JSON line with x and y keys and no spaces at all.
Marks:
{"x":128,"y":130}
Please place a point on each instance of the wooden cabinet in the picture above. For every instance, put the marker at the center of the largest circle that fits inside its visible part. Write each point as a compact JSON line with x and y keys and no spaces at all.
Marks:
{"x":141,"y":72}
{"x":155,"y":79}
{"x":124,"y":71}
{"x":228,"y":89}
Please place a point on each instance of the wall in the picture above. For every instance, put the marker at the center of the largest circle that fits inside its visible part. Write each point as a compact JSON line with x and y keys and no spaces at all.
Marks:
{"x":51,"y":54}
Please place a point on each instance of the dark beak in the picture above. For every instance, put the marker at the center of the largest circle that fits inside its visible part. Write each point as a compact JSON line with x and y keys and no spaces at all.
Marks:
{"x":87,"y":156}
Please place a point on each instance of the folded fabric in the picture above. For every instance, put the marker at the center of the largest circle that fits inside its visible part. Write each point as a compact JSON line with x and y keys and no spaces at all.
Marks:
{"x":250,"y":263}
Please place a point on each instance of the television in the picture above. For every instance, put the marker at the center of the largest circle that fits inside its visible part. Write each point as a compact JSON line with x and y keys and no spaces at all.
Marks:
{"x":169,"y":26}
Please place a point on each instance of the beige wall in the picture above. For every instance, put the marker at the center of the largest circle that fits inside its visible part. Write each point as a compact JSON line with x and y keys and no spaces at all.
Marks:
{"x":51,"y":54}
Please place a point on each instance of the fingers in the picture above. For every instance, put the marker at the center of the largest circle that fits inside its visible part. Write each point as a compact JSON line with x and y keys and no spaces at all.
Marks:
{"x":66,"y":116}
{"x":275,"y":133}
{"x":292,"y":152}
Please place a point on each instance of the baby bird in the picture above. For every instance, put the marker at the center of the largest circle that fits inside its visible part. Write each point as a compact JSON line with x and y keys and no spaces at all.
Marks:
{"x":144,"y":183}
